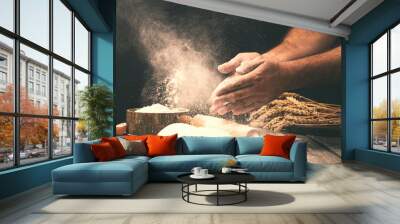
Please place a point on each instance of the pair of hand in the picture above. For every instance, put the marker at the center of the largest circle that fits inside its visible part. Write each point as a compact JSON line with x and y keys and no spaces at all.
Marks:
{"x":253,"y":81}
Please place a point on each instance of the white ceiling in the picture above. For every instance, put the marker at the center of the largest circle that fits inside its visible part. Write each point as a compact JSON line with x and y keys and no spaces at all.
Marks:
{"x":319,"y":9}
{"x":315,"y":15}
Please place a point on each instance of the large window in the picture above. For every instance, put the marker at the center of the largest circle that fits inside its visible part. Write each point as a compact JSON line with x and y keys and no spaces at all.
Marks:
{"x":34,"y":21}
{"x":44,"y":64}
{"x":7,"y":14}
{"x":385,"y":91}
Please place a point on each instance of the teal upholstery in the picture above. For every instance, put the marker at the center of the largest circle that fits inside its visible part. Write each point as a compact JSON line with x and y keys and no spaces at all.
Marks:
{"x":125,"y":176}
{"x":83,"y":152}
{"x":128,"y":159}
{"x":274,"y":176}
{"x":118,"y":177}
{"x":184,"y":163}
{"x":164,"y":176}
{"x":193,"y":145}
{"x":273,"y":168}
{"x":93,"y":172}
{"x":298,"y":155}
{"x":249,"y":145}
{"x":257,"y":163}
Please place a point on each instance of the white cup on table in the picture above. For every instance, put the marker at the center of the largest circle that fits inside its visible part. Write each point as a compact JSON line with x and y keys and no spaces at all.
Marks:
{"x":203,"y":172}
{"x":197,"y":171}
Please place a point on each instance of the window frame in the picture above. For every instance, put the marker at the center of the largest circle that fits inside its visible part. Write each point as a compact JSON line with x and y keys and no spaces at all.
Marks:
{"x":388,"y":74}
{"x":16,"y":114}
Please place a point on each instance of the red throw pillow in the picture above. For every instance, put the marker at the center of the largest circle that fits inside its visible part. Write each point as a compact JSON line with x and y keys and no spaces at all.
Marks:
{"x":277,"y":145}
{"x":103,"y":152}
{"x":161,"y":145}
{"x":116,"y":145}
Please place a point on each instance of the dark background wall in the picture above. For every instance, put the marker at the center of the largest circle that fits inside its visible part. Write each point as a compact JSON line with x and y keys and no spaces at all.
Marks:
{"x":206,"y":29}
{"x":221,"y":36}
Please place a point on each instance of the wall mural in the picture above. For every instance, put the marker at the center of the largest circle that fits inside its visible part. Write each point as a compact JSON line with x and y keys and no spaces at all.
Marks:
{"x":195,"y":72}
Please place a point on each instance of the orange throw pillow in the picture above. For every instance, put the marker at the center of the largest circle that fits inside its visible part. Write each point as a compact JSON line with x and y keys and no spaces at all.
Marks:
{"x":277,"y":145}
{"x":135,"y":137}
{"x":116,"y":145}
{"x":103,"y":152}
{"x":161,"y":145}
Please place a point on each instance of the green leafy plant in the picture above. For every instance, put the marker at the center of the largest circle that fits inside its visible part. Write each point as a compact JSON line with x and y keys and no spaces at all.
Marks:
{"x":96,"y":102}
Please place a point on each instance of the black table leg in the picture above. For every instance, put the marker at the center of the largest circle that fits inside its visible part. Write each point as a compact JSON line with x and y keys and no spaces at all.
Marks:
{"x":245,"y":193}
{"x":220,"y":193}
{"x":217,"y":194}
{"x":188,"y":190}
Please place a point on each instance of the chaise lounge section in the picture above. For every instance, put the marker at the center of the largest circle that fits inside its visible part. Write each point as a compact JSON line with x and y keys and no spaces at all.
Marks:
{"x":125,"y":176}
{"x":88,"y":177}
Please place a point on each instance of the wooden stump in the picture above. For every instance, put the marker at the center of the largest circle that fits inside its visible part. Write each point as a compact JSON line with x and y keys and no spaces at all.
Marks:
{"x":140,"y":123}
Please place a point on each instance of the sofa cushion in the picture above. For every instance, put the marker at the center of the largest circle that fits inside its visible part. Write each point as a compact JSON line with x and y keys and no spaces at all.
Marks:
{"x":131,"y":158}
{"x":135,"y":137}
{"x":83,"y":152}
{"x":136,"y":147}
{"x":196,"y":145}
{"x":112,"y":171}
{"x":277,"y":145}
{"x":185,"y":163}
{"x":161,"y":145}
{"x":116,"y":145}
{"x":257,"y":163}
{"x":249,"y":145}
{"x":103,"y":152}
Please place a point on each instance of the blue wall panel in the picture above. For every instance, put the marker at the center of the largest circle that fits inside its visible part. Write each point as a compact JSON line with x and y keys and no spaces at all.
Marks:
{"x":380,"y":159}
{"x":24,"y":178}
{"x":103,"y":49}
{"x":90,"y":12}
{"x":102,"y":58}
{"x":103,"y":62}
{"x":356,"y":111}
{"x":375,"y":22}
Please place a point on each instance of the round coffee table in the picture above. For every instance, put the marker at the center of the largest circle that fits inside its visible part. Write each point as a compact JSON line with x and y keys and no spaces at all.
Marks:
{"x":238,"y":179}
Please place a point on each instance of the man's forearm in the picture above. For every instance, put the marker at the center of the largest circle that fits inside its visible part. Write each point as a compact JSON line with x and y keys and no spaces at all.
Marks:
{"x":300,"y":43}
{"x":315,"y":70}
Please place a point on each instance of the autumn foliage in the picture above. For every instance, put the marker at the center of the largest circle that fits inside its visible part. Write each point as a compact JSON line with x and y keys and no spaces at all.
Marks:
{"x":33,"y":131}
{"x":380,"y":127}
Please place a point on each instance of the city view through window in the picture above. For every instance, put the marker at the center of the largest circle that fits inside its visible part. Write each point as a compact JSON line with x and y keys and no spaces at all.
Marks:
{"x":41,"y":76}
{"x":385,"y":91}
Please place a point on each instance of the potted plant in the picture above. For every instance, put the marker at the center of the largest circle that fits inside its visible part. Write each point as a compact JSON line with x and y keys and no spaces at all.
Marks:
{"x":96,"y":102}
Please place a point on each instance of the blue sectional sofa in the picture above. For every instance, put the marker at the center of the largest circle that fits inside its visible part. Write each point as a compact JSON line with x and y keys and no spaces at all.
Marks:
{"x":125,"y":176}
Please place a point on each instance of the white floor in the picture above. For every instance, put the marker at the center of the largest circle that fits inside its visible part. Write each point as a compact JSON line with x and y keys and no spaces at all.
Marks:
{"x":262,"y":198}
{"x":377,"y":190}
